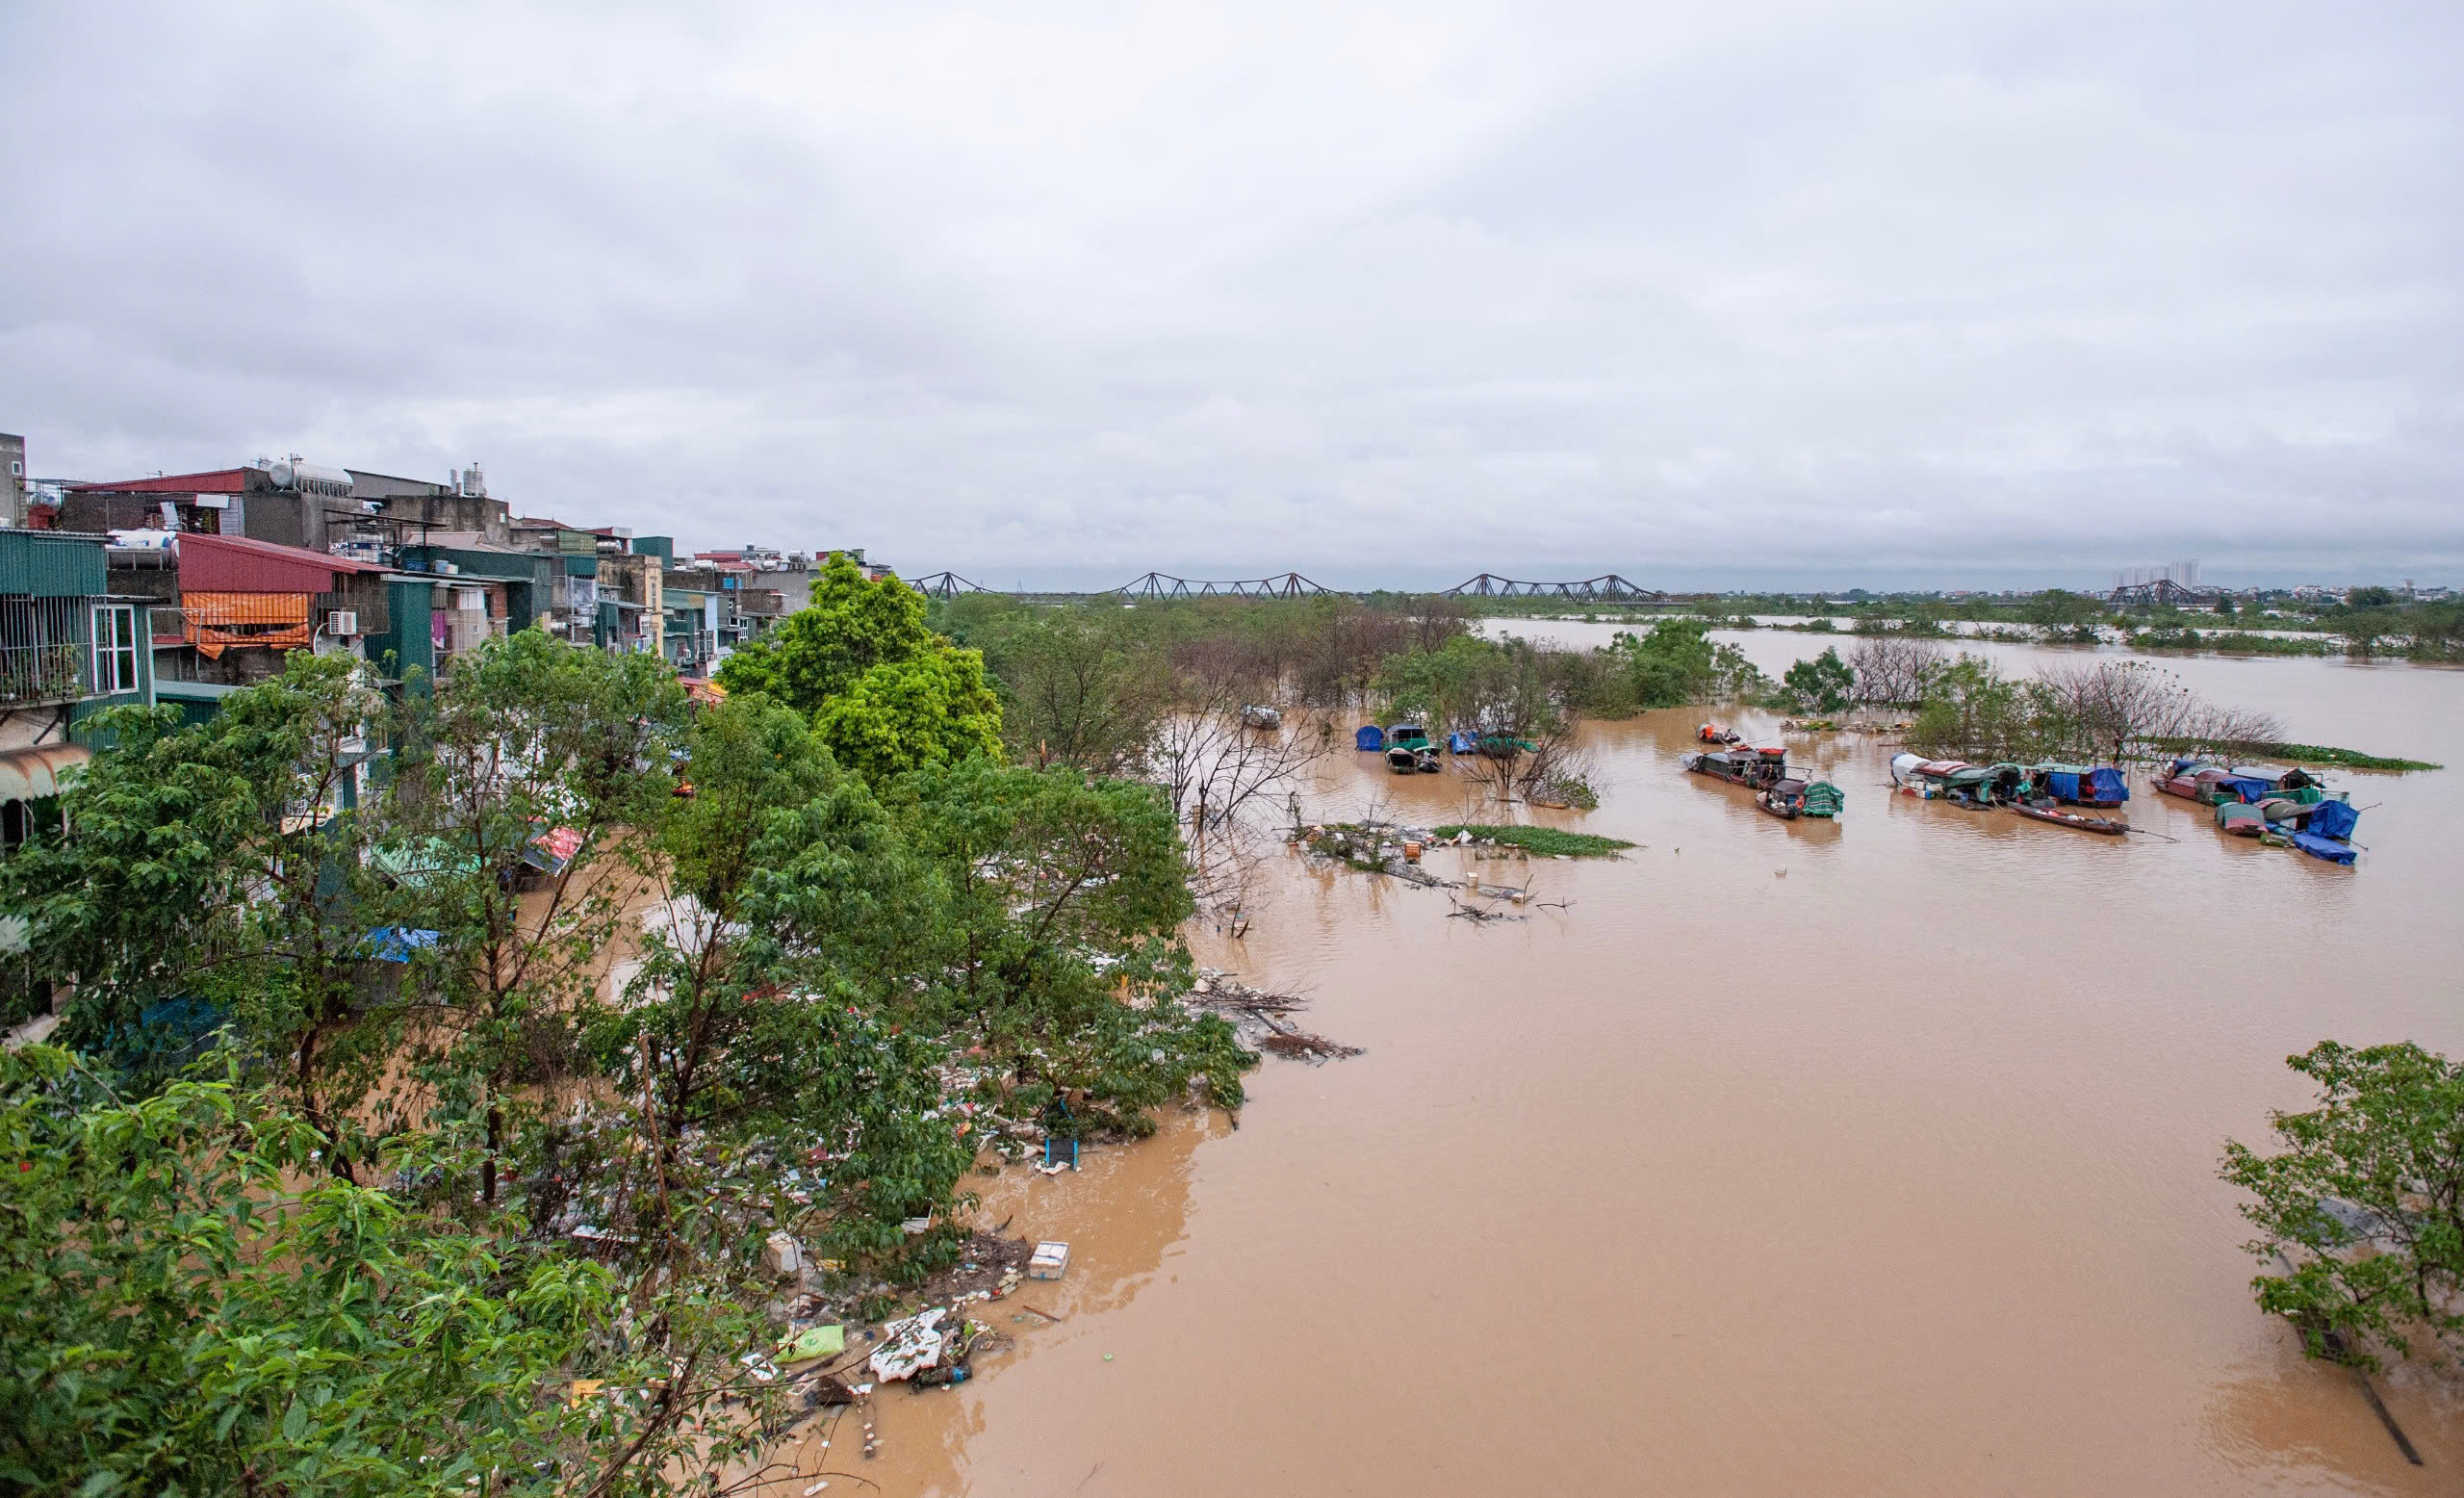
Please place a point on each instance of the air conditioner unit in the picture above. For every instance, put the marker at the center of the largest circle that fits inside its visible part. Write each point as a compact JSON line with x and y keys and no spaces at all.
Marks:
{"x":342,"y":621}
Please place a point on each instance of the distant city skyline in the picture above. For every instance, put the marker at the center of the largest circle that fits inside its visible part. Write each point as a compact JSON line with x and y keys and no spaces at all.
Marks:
{"x":1888,"y":295}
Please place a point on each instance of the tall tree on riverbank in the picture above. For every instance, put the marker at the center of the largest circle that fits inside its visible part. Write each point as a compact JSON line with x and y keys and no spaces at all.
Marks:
{"x":886,"y":694}
{"x":218,"y":870}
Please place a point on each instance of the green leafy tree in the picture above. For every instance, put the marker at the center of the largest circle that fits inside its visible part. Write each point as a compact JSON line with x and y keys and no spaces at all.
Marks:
{"x":852,"y":625}
{"x":2362,"y":1205}
{"x":1060,"y":919}
{"x":217,"y":869}
{"x":2372,"y":596}
{"x":933,"y":709}
{"x":1824,"y":684}
{"x":2060,"y":608}
{"x":1972,"y":710}
{"x":1677,"y":663}
{"x":887,"y":694}
{"x":520,"y":812}
{"x":1079,"y":688}
{"x":179,"y":1314}
{"x":755,"y":1018}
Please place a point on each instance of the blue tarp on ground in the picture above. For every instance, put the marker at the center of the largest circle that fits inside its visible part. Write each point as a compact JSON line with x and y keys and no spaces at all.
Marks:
{"x":2064,"y":785}
{"x":1371,"y":737}
{"x":2332,"y":819}
{"x":2328,"y":848}
{"x":2104,"y":783}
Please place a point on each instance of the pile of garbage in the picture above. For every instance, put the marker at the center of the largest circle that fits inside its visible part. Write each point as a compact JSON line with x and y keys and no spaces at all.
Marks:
{"x":1258,"y":1017}
{"x":1374,"y":847}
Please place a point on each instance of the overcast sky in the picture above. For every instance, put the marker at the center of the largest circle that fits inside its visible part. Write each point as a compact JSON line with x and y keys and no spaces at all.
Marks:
{"x":1734,"y":295}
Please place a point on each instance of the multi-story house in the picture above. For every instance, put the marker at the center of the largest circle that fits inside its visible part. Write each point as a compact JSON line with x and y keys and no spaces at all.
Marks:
{"x":69,"y":647}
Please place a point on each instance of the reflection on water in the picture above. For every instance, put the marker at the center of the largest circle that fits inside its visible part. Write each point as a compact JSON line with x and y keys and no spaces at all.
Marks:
{"x":1867,"y":1158}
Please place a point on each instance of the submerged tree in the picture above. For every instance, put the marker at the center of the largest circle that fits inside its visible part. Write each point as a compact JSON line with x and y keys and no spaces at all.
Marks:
{"x":1080,"y":688}
{"x":2363,"y":1206}
{"x":1676,"y":664}
{"x":1822,"y":685}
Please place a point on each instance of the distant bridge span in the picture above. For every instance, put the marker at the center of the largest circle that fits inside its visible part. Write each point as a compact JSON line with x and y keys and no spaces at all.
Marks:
{"x":1608,"y":587}
{"x":946,"y":585}
{"x":1158,"y":585}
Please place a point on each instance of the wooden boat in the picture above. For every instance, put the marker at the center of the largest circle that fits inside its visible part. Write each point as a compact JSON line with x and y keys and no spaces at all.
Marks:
{"x":1407,"y":760}
{"x":1922,"y":777}
{"x":1783,"y":799}
{"x":1750,"y":768}
{"x":1408,"y":750}
{"x":2208,"y":783}
{"x":2110,"y":826}
{"x":1714,"y":733}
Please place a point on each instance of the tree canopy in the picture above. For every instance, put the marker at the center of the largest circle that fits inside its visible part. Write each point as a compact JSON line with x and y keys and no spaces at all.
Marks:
{"x":2362,"y":1205}
{"x":518,"y":1043}
{"x":887,"y":694}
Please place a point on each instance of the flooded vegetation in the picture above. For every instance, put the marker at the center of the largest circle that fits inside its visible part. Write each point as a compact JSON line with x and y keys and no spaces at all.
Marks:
{"x":1869,"y":1155}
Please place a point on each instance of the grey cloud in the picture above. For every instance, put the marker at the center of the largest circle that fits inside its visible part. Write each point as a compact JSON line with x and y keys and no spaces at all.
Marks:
{"x":1813,"y":295}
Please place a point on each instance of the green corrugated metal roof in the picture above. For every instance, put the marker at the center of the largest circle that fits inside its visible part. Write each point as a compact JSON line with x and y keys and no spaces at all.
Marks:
{"x":52,"y":564}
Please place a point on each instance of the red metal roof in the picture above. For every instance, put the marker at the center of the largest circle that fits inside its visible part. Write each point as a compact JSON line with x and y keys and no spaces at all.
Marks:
{"x":236,"y":564}
{"x":222,"y":480}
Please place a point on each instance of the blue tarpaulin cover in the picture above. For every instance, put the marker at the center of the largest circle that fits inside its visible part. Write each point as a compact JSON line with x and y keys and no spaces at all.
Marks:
{"x":2332,"y":819}
{"x":2247,"y":789}
{"x":1371,"y":737}
{"x":1461,"y":743}
{"x":2064,"y":785}
{"x":2105,"y":784}
{"x":393,"y":944}
{"x":2328,"y":848}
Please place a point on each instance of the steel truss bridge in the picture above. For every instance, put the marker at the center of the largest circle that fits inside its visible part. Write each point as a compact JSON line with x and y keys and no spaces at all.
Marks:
{"x":1608,"y":588}
{"x":1158,"y":585}
{"x":945,"y":584}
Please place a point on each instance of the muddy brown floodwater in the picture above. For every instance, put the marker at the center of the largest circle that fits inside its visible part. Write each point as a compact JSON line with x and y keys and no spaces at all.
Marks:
{"x":1792,"y":1158}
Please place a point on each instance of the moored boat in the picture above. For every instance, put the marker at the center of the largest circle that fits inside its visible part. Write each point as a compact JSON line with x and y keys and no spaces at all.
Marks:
{"x":2208,"y":783}
{"x":1792,"y":797}
{"x":2045,"y":813}
{"x":1753,"y":767}
{"x":2079,"y":785}
{"x":1408,"y":750}
{"x":2324,"y":830}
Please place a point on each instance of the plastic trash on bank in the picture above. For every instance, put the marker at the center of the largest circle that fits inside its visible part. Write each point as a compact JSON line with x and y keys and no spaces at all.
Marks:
{"x":908,"y":1344}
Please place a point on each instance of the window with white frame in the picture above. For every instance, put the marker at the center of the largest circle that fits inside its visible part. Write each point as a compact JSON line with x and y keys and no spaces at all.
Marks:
{"x":114,"y":642}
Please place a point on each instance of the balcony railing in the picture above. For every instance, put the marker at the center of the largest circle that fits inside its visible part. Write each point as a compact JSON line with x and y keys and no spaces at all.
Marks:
{"x":42,"y":673}
{"x":43,"y":652}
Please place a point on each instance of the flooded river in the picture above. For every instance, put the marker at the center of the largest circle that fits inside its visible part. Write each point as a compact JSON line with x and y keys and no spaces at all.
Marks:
{"x":1790,"y":1158}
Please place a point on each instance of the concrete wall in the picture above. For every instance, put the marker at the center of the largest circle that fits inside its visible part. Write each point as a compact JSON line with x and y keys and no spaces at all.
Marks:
{"x":12,"y":478}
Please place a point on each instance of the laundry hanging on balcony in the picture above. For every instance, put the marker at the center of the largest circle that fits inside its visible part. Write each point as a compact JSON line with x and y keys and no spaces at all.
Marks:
{"x":217,"y":622}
